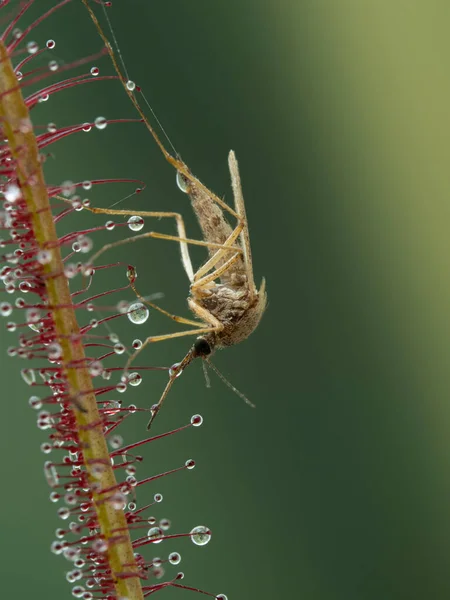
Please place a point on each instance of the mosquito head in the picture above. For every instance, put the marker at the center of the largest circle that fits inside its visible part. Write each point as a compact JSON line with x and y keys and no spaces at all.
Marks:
{"x":202,"y":348}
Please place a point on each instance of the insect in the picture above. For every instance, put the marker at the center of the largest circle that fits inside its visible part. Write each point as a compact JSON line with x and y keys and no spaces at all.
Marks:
{"x":223,"y":294}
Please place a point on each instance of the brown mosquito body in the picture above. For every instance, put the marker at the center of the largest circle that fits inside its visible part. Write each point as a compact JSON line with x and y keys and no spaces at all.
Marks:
{"x":223,"y":295}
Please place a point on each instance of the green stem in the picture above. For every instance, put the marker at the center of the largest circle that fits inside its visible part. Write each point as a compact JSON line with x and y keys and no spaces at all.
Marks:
{"x":18,"y":130}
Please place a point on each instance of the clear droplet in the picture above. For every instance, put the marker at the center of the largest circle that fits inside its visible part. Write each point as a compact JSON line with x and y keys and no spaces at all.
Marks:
{"x":182,"y":182}
{"x":32,"y":47}
{"x":100,"y":122}
{"x":138,"y":313}
{"x":175,"y":370}
{"x":131,"y":86}
{"x":155,"y":534}
{"x":200,"y":535}
{"x":221,"y":597}
{"x":174,"y":558}
{"x":135,"y":223}
{"x":190,"y":463}
{"x":28,"y":375}
{"x":134,"y":379}
{"x":12,"y":193}
{"x":196,"y":420}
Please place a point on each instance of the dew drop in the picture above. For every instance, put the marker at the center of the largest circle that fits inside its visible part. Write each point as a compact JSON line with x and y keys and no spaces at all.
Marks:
{"x":200,"y":535}
{"x":5,"y":309}
{"x":175,"y":370}
{"x":95,"y":368}
{"x":138,"y":313}
{"x":155,"y":534}
{"x":100,"y":122}
{"x":28,"y":375}
{"x":44,"y":257}
{"x":54,"y":351}
{"x":135,"y":223}
{"x":174,"y":558}
{"x":115,"y":441}
{"x":68,"y":188}
{"x":131,"y":86}
{"x":182,"y":182}
{"x":109,"y":225}
{"x":196,"y":420}
{"x":137,"y":344}
{"x":12,"y":193}
{"x":221,"y":597}
{"x":50,"y":44}
{"x":190,"y":463}
{"x":158,"y":497}
{"x":32,"y":47}
{"x":53,"y":65}
{"x":51,"y":474}
{"x":95,"y":71}
{"x":119,"y":348}
{"x":134,"y":379}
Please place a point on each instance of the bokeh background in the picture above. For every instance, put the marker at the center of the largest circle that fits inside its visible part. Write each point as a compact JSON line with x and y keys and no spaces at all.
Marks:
{"x":337,"y":486}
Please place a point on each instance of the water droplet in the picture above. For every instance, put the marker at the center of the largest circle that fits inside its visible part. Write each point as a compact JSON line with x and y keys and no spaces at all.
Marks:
{"x":174,"y":558}
{"x":165,"y":524}
{"x":95,"y":71}
{"x":155,"y":534}
{"x":175,"y":370}
{"x":121,"y":387}
{"x":221,"y":597}
{"x":35,"y":402}
{"x":109,"y":225}
{"x":50,"y":44}
{"x":33,"y":315}
{"x":137,"y":344}
{"x":196,"y":420}
{"x":200,"y":535}
{"x":51,"y":474}
{"x":131,"y":86}
{"x":68,"y":188}
{"x":119,"y":348}
{"x":190,"y":464}
{"x":134,"y":379}
{"x":115,"y":441}
{"x":95,"y":368}
{"x":158,"y":497}
{"x":32,"y":47}
{"x":182,"y":182}
{"x":5,"y":309}
{"x":53,"y":65}
{"x":28,"y":375}
{"x":12,"y":193}
{"x":100,"y":122}
{"x":44,"y":257}
{"x":135,"y":223}
{"x":138,"y":313}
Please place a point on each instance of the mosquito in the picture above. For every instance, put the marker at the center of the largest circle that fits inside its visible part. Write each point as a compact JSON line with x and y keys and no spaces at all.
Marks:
{"x":223,"y":294}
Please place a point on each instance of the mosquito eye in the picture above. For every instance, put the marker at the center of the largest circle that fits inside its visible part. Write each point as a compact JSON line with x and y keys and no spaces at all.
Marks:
{"x":201,"y":347}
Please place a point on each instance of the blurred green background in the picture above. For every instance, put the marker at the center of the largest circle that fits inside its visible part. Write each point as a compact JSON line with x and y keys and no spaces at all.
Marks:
{"x":337,"y":486}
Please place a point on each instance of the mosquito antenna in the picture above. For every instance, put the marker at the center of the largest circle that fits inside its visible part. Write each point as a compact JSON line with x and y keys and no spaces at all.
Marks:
{"x":230,"y":385}
{"x":206,"y":374}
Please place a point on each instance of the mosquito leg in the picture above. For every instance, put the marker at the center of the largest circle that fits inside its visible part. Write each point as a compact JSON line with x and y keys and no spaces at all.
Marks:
{"x":199,"y":283}
{"x":239,"y":206}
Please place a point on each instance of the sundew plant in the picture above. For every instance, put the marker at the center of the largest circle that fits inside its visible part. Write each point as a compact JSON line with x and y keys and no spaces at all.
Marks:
{"x":63,"y":341}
